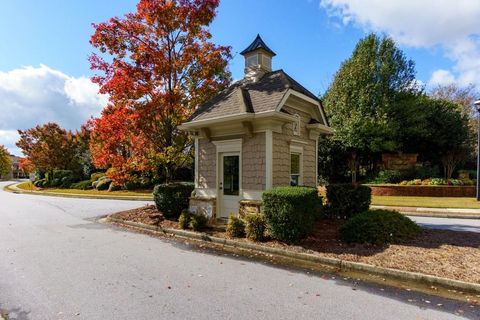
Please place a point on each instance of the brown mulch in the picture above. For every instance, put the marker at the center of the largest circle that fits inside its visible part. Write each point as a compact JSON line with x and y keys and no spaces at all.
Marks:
{"x":443,"y":253}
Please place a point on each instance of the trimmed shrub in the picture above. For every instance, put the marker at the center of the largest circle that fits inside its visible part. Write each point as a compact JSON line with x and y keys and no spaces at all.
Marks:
{"x":132,"y":185}
{"x":103,"y":183}
{"x":40,"y":183}
{"x":113,"y":187}
{"x":184,"y":219}
{"x":198,"y":221}
{"x":255,"y":226}
{"x":235,"y":227}
{"x":97,"y":176}
{"x":346,"y":200}
{"x":82,"y":185}
{"x":172,"y":198}
{"x":379,"y":227}
{"x":290,"y":211}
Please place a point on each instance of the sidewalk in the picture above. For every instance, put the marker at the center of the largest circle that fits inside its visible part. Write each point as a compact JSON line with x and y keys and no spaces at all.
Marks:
{"x":435,"y":212}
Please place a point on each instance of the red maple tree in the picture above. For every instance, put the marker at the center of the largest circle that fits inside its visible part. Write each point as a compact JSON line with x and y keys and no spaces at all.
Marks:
{"x":158,"y":64}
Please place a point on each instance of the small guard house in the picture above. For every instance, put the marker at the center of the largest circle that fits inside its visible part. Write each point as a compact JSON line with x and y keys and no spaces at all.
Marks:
{"x":259,"y":133}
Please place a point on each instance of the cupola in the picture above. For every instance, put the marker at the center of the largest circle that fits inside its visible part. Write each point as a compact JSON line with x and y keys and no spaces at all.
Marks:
{"x":258,"y":59}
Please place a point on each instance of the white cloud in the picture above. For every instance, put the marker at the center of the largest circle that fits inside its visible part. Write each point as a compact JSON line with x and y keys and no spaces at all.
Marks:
{"x":441,"y":77}
{"x":452,"y":25}
{"x":37,"y":95}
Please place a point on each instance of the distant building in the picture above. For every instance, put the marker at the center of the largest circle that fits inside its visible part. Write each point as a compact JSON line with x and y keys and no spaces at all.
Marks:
{"x":15,"y":172}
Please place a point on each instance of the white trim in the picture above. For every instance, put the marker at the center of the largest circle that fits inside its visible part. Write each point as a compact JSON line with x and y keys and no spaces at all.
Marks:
{"x":316,"y":162}
{"x":268,"y":159}
{"x":252,"y":195}
{"x":303,"y":97}
{"x":296,"y":141}
{"x":232,"y":145}
{"x":223,"y":147}
{"x":196,"y":162}
{"x":206,"y":192}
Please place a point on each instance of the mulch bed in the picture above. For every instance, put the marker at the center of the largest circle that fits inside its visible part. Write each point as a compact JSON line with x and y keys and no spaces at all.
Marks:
{"x":443,"y":253}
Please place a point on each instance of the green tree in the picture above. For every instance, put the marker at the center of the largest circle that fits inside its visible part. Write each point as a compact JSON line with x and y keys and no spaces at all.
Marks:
{"x":5,"y":161}
{"x":364,"y":93}
{"x":448,"y":138}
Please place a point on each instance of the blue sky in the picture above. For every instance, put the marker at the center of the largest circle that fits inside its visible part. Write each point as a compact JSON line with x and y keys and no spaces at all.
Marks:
{"x":44,"y":47}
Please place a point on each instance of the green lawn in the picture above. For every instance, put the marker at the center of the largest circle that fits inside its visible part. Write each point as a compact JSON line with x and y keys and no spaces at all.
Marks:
{"x":428,"y":202}
{"x":28,"y":186}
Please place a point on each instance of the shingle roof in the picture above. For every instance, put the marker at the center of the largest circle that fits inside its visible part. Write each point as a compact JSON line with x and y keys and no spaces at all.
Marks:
{"x":253,"y":97}
{"x":258,"y":44}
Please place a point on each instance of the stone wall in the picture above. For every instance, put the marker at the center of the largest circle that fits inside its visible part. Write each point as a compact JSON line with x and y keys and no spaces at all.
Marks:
{"x":206,"y":164}
{"x":205,"y":206}
{"x":253,"y":162}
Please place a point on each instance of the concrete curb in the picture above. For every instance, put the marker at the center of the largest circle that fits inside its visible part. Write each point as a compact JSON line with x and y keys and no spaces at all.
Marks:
{"x":332,"y":262}
{"x":13,"y":189}
{"x":434,"y":212}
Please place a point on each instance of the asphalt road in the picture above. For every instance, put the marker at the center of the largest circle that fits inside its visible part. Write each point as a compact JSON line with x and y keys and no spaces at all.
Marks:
{"x":469,"y":225}
{"x":56,"y":262}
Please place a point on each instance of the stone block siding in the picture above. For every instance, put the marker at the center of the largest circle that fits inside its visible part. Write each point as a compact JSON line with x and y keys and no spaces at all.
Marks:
{"x":206,"y":164}
{"x":281,"y":152}
{"x":253,"y":162}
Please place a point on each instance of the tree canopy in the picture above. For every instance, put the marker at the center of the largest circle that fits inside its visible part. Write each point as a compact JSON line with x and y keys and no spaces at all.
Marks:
{"x":5,"y":161}
{"x":157,"y":65}
{"x":363,"y":92}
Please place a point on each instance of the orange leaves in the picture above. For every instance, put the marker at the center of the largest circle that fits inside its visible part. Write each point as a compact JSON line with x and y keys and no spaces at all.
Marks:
{"x":159,"y":68}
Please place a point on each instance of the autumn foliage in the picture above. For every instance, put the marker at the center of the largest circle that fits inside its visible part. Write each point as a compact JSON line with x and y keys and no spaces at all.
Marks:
{"x":157,"y":65}
{"x":5,"y":161}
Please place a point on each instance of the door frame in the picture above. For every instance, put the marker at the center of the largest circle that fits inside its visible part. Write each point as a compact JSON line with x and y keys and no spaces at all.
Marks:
{"x":233,"y":146}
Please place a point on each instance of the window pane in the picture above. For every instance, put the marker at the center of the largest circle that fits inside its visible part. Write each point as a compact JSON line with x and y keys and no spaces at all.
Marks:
{"x":295,"y":163}
{"x":231,"y":175}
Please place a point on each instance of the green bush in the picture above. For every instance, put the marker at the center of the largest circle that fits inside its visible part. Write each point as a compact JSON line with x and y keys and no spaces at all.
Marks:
{"x":82,"y":185}
{"x":184,"y":219}
{"x":379,"y":227}
{"x":346,"y":200}
{"x":290,"y":211}
{"x":97,"y":176}
{"x":132,"y":185}
{"x":113,"y":187}
{"x":60,"y":178}
{"x":255,"y":226}
{"x":172,"y":198}
{"x":40,"y":183}
{"x":235,"y":226}
{"x":103,"y":183}
{"x":198,"y":221}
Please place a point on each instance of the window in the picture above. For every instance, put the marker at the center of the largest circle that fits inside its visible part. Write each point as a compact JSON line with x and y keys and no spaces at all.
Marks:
{"x":252,"y":61}
{"x":231,"y":175}
{"x":267,"y":62}
{"x":295,"y":168}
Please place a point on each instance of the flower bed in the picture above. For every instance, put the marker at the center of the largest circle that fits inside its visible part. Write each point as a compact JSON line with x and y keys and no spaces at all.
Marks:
{"x":422,"y":190}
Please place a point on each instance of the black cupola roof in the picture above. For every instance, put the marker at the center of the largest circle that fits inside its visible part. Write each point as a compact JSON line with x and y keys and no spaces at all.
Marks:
{"x":258,"y":44}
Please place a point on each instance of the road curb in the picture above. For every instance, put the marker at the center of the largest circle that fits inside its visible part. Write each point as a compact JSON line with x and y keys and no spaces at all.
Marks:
{"x":429,"y":212}
{"x":8,"y":188}
{"x":331,"y":262}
